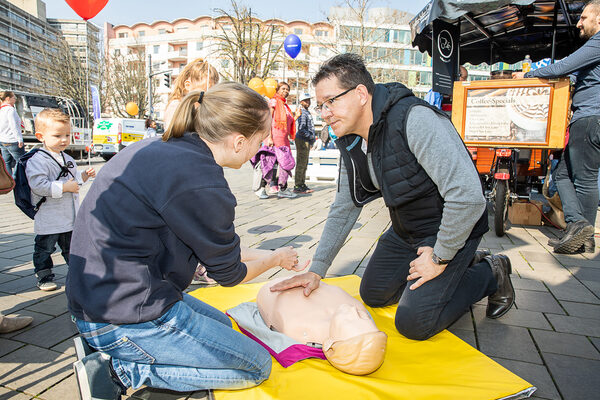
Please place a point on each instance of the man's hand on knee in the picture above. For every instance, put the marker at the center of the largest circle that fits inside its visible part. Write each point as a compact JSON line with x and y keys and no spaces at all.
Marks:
{"x":308,"y":280}
{"x":423,"y":268}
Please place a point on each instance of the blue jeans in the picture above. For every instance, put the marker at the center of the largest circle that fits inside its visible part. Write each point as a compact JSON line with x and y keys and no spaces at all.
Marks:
{"x":42,"y":253}
{"x":190,"y":347}
{"x":11,"y":152}
{"x":435,"y":305}
{"x":577,"y":172}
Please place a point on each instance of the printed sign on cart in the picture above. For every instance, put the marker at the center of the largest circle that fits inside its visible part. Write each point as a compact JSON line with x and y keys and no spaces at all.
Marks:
{"x":507,"y":115}
{"x":444,"y":56}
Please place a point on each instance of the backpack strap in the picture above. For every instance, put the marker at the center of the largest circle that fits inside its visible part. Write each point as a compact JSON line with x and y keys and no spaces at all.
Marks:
{"x":64,"y":171}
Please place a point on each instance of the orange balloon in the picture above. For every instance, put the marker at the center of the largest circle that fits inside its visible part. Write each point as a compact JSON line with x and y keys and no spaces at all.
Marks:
{"x":132,"y":108}
{"x":271,"y":87}
{"x":257,"y":85}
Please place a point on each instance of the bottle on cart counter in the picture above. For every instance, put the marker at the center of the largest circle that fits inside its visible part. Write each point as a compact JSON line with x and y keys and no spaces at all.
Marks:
{"x":527,"y":63}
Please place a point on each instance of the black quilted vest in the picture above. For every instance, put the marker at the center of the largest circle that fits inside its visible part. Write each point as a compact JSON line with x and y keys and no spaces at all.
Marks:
{"x":414,"y":203}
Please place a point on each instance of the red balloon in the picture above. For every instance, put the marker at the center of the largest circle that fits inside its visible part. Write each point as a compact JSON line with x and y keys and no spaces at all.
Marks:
{"x":87,"y":9}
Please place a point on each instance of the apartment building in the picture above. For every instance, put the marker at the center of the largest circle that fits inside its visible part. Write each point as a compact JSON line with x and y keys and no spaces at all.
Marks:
{"x":382,"y":38}
{"x":83,"y":38}
{"x":25,"y":35}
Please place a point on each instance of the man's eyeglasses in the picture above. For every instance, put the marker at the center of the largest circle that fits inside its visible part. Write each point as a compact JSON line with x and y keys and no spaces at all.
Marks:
{"x":328,"y":104}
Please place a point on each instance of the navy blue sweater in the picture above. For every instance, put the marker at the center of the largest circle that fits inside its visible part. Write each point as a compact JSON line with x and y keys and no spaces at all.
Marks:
{"x":153,"y":212}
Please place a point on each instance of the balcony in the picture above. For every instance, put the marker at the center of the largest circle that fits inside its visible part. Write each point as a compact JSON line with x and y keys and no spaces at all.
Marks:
{"x":177,"y":55}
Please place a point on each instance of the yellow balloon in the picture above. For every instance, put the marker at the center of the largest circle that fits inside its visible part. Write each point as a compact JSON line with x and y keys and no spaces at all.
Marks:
{"x":270,"y":87}
{"x":132,"y":108}
{"x":258,"y":85}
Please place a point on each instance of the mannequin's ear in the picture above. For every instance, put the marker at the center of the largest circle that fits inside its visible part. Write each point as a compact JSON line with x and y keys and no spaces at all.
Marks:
{"x":327,"y":344}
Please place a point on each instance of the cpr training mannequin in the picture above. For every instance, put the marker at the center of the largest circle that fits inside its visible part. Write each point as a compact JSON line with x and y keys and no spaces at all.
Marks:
{"x":331,"y":317}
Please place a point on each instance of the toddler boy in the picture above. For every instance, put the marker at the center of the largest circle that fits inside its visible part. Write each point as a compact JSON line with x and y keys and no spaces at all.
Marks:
{"x":53,"y":174}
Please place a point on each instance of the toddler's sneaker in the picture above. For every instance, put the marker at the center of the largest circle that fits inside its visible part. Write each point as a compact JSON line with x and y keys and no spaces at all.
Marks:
{"x":287,"y":193}
{"x":47,"y":285}
{"x":261,"y":193}
{"x":273,"y":190}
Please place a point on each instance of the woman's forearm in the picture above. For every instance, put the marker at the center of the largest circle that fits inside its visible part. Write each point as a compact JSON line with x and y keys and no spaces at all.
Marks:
{"x":256,"y":267}
{"x":249,"y":254}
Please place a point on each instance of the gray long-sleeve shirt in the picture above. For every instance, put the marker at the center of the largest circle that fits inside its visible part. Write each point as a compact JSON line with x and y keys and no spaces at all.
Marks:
{"x":440,"y":151}
{"x":584,"y":64}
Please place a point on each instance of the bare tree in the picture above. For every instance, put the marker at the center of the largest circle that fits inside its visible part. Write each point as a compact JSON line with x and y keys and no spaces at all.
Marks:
{"x":126,"y":81}
{"x":361,"y":33}
{"x":247,"y":43}
{"x":62,"y":73}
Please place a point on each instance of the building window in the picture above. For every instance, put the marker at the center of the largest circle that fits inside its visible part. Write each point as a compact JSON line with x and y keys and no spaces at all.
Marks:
{"x":141,"y":33}
{"x":117,"y":52}
{"x":156,"y":49}
{"x":322,"y":51}
{"x":162,"y":31}
{"x":199,"y":45}
{"x":298,"y":31}
{"x":183,"y":28}
{"x":321,"y":33}
{"x":122,"y":35}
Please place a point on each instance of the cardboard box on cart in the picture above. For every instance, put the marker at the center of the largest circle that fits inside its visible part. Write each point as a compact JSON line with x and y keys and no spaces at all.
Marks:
{"x":525,"y":213}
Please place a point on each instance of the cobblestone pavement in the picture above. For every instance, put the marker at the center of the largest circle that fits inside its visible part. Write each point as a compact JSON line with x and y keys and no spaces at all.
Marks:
{"x":551,"y":338}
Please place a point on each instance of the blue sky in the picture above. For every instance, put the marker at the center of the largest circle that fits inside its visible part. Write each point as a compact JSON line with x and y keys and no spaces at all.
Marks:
{"x":129,"y":12}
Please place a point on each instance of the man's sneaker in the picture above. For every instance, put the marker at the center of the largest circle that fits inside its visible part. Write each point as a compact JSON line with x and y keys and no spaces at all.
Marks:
{"x":302,"y":189}
{"x":201,"y":277}
{"x":261,"y":193}
{"x":47,"y":285}
{"x":574,"y":238}
{"x":95,"y":380}
{"x":503,"y":299}
{"x":589,"y":246}
{"x":82,"y":348}
{"x":287,"y":193}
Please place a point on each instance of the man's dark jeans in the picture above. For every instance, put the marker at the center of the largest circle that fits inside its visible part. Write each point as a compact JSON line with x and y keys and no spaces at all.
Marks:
{"x":302,"y":152}
{"x":11,"y":152}
{"x":42,"y":253}
{"x":435,"y":305}
{"x":577,"y":172}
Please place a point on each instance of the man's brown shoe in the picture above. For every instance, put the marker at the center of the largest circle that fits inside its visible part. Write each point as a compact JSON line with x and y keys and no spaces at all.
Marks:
{"x":500,"y":302}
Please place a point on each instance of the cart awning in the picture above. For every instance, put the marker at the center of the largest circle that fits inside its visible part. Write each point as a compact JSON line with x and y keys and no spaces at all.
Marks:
{"x":503,"y":30}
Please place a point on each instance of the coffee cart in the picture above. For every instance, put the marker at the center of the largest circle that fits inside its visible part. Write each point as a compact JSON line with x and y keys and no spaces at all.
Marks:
{"x":510,"y":126}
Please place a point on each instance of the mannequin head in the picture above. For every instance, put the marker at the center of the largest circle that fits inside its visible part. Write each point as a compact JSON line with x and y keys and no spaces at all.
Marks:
{"x":331,"y":317}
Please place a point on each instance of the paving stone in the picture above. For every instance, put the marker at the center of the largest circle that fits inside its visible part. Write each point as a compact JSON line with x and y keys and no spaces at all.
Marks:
{"x":595,"y":342}
{"x":466,"y":335}
{"x":535,"y":374}
{"x":508,"y":342}
{"x":65,"y":389}
{"x":6,"y":394}
{"x":66,"y":347}
{"x":565,"y":344}
{"x":573,"y":291}
{"x":7,"y":345}
{"x":539,"y":257}
{"x":8,"y":263}
{"x":32,"y":369}
{"x":56,"y":305}
{"x":514,"y":317}
{"x":593,"y":287}
{"x":537,"y":301}
{"x":575,"y":325}
{"x":10,"y":304}
{"x":576,"y":378}
{"x":585,"y":274}
{"x":528,"y":284}
{"x":146,"y":393}
{"x":465,"y":322}
{"x":49,"y":333}
{"x":581,"y":309}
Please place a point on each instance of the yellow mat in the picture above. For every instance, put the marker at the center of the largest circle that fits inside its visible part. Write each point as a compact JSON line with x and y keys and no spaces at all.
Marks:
{"x":443,"y":367}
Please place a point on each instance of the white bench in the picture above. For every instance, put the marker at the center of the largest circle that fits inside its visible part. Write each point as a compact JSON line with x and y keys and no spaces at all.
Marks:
{"x":322,"y":165}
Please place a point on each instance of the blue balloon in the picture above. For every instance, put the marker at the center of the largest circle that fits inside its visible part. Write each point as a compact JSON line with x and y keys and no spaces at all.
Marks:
{"x":292,"y":45}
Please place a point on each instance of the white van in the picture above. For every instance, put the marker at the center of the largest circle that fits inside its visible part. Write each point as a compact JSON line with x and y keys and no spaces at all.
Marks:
{"x":113,"y":134}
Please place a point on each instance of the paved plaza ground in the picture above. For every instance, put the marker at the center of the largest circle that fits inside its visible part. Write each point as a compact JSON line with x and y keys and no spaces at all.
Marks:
{"x":551,"y":337}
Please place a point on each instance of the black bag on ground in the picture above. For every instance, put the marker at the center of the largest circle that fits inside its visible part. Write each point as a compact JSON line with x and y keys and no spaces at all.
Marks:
{"x":22,"y":191}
